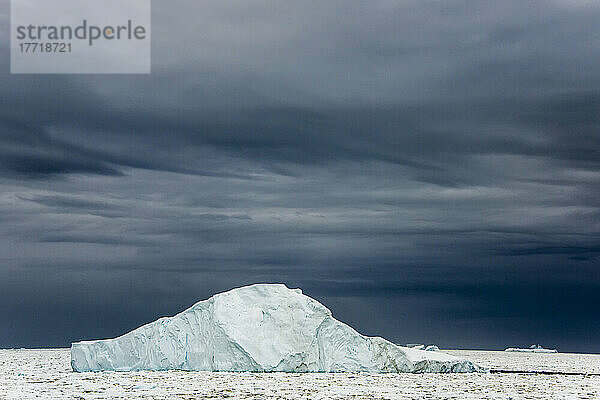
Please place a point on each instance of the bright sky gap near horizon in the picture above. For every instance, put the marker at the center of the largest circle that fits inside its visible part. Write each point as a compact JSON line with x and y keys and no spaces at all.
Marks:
{"x":428,"y":170}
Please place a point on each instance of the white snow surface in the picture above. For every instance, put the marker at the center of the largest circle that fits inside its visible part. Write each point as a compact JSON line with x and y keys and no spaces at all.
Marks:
{"x":257,"y":328}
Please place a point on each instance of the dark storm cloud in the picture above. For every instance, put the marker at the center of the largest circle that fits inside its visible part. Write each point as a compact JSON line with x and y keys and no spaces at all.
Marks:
{"x":28,"y":151}
{"x":430,"y":170}
{"x":368,"y":84}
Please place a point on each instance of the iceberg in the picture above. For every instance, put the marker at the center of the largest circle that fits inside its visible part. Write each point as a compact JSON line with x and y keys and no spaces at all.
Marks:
{"x":534,"y":348}
{"x":257,"y":328}
{"x":414,"y":346}
{"x":431,"y":347}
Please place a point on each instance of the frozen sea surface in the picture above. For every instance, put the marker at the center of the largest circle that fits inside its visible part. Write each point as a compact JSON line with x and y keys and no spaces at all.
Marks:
{"x":46,"y":374}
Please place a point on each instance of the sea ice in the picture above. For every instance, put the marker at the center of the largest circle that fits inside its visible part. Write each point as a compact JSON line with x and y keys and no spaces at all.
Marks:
{"x":258,"y":328}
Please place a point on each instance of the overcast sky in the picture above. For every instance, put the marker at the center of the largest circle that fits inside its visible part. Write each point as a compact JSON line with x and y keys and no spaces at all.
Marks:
{"x":429,"y":170}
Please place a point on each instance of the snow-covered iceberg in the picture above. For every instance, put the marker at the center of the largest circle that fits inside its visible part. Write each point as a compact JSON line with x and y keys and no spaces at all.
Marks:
{"x":534,"y":348}
{"x":431,"y":347}
{"x":264,"y":327}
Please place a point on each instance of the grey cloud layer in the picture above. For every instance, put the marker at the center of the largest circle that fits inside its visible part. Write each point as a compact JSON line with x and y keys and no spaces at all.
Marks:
{"x":432,"y":157}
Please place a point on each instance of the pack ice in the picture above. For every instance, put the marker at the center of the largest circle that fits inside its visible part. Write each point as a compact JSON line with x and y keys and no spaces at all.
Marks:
{"x":258,"y":328}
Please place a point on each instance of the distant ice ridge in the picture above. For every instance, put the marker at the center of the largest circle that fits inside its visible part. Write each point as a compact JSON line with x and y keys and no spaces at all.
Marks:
{"x":415,"y":346}
{"x":258,"y":328}
{"x":534,"y":348}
